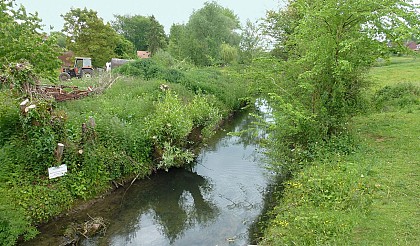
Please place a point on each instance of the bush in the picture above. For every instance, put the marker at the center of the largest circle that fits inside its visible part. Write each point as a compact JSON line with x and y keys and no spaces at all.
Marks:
{"x":170,"y":123}
{"x":42,"y":201}
{"x":13,"y":224}
{"x":144,"y":68}
{"x":9,"y":116}
{"x":399,"y":96}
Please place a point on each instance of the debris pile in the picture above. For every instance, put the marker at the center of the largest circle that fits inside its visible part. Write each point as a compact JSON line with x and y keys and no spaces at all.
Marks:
{"x":63,"y":92}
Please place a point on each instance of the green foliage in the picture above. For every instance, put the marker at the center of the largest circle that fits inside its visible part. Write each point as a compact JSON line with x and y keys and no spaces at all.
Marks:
{"x":201,"y":38}
{"x":124,"y":49}
{"x":203,"y":111}
{"x":43,"y":130}
{"x":21,"y":40}
{"x":164,"y":58}
{"x":280,"y":25}
{"x":228,"y":54}
{"x":88,"y":36}
{"x":156,"y":36}
{"x":170,"y":121}
{"x":143,"y":68}
{"x":9,"y":116}
{"x":321,"y":203}
{"x":176,"y":35}
{"x":403,"y":95}
{"x":352,"y":185}
{"x":136,"y":122}
{"x":251,"y":42}
{"x":42,"y":202}
{"x":60,"y":38}
{"x":146,"y":33}
{"x":322,"y":84}
{"x":225,"y":87}
{"x":174,"y":157}
{"x":12,"y":223}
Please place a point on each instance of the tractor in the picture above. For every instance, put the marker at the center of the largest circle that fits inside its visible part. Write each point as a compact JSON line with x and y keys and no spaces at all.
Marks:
{"x":82,"y":69}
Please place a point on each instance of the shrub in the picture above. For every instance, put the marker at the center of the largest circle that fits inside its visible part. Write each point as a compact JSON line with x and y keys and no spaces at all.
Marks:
{"x":164,"y":59}
{"x":399,"y":96}
{"x":9,"y":116}
{"x":12,"y":223}
{"x":144,"y":68}
{"x":170,"y":122}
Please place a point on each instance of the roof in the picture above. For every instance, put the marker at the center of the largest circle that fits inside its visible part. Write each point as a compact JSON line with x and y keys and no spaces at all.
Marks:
{"x":143,"y":54}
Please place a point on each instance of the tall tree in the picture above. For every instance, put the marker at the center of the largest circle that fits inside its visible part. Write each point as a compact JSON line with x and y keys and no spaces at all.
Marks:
{"x":21,"y":39}
{"x":134,"y":28}
{"x":280,"y":25}
{"x":176,"y":36}
{"x":252,"y":41}
{"x":331,"y":48}
{"x":61,"y":39}
{"x":146,"y":33}
{"x":88,"y":35}
{"x":156,"y":36}
{"x":207,"y":29}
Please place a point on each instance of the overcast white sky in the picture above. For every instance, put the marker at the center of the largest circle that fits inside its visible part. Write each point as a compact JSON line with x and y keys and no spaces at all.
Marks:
{"x":166,"y":12}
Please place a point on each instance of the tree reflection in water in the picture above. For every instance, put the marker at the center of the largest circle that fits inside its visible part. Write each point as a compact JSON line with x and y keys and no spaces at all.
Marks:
{"x":177,"y":200}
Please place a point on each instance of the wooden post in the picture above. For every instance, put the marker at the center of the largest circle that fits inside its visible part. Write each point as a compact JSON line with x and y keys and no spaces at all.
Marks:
{"x":59,"y":152}
{"x":23,"y":105}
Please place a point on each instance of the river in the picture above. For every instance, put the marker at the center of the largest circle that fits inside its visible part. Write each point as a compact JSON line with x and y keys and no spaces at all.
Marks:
{"x":216,"y":202}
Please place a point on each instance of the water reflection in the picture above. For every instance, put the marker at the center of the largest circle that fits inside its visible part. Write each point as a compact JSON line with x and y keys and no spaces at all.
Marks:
{"x":214,"y":203}
{"x":169,"y":204}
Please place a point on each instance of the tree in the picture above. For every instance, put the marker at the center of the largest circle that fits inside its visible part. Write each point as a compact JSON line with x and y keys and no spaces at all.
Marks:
{"x":251,"y":42}
{"x":280,"y":26}
{"x":156,"y":36}
{"x":207,"y":29}
{"x":176,"y":36}
{"x":61,"y":39}
{"x":228,"y":54}
{"x":146,"y":33}
{"x":133,"y":28}
{"x":20,"y":39}
{"x":87,"y":35}
{"x":331,"y":48}
{"x":124,"y":49}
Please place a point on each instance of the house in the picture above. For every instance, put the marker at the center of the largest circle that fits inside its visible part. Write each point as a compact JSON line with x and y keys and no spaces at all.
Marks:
{"x":412,"y":45}
{"x":143,"y":54}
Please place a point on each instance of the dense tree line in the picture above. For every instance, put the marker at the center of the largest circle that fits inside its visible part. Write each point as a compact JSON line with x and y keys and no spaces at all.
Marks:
{"x":212,"y":36}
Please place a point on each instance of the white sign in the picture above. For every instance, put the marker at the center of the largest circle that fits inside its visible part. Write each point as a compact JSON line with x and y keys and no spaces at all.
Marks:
{"x":55,"y":172}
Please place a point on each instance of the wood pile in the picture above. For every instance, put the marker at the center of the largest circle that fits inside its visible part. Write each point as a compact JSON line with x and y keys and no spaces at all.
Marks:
{"x":62,"y":92}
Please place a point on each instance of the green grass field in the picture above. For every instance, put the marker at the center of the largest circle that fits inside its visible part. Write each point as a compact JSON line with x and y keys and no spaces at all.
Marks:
{"x":397,"y":70}
{"x":393,"y":161}
{"x":371,"y":196}
{"x":393,"y":140}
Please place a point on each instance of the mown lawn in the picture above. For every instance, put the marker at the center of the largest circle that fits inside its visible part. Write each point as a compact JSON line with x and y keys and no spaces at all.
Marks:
{"x":396,"y":70}
{"x":393,"y":161}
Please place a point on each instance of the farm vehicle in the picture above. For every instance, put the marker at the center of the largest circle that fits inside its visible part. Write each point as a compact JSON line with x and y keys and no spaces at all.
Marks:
{"x":82,"y":68}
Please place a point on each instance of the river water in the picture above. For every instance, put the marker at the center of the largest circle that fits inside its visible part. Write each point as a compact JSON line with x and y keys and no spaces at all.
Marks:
{"x":216,"y":202}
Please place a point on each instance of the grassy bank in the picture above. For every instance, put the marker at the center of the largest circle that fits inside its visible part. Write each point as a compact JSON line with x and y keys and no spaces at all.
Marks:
{"x":142,"y":123}
{"x":368,"y":193}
